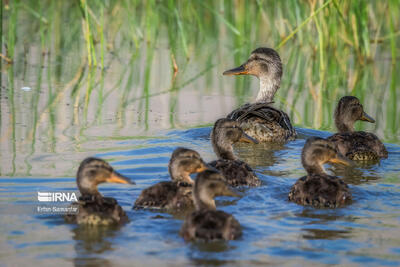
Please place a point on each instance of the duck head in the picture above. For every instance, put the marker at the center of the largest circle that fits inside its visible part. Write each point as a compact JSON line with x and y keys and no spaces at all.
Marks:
{"x":347,"y":112}
{"x":94,"y":171}
{"x":184,"y":162}
{"x":210,"y":184}
{"x":265,"y":64}
{"x":225,"y":133}
{"x":318,"y":151}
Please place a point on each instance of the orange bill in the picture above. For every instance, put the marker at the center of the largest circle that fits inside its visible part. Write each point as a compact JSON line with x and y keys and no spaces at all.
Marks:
{"x":248,"y":139}
{"x":118,"y":178}
{"x":237,"y":71}
{"x":341,"y":160}
{"x":202,"y":168}
{"x":229,"y":192}
{"x":366,"y":117}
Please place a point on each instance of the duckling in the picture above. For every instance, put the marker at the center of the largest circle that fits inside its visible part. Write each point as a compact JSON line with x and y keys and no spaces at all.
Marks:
{"x":260,"y":120}
{"x":225,"y":133}
{"x":93,"y":208}
{"x":319,"y":189}
{"x":175,"y":194}
{"x":354,"y":145}
{"x":207,"y":223}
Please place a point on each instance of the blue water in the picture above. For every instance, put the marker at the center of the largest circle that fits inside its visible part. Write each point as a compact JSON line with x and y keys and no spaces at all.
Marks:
{"x":276,"y":232}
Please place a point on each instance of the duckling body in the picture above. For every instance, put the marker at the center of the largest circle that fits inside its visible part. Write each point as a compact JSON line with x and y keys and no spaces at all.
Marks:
{"x":175,"y":194}
{"x":98,"y":211}
{"x":355,"y":145}
{"x":93,"y":208}
{"x":319,"y":189}
{"x":207,"y":223}
{"x":225,"y":133}
{"x":261,"y":120}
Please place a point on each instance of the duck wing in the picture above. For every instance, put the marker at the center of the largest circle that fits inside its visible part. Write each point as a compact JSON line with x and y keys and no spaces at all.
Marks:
{"x":359,"y":145}
{"x":264,"y":122}
{"x":210,"y":225}
{"x":320,"y":191}
{"x":166,"y":195}
{"x":236,"y":172}
{"x":97,"y":211}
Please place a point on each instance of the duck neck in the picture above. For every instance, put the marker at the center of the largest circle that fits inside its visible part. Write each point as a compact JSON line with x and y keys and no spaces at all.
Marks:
{"x":203,"y":200}
{"x":268,"y":88}
{"x":224,"y":150}
{"x":315,"y":169}
{"x":178,"y":174}
{"x":87,"y":188}
{"x":344,"y":127}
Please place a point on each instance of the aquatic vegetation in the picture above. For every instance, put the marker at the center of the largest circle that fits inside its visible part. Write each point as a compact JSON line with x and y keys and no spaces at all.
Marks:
{"x":133,"y":66}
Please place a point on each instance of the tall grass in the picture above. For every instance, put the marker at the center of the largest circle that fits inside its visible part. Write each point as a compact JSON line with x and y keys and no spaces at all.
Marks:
{"x":109,"y":55}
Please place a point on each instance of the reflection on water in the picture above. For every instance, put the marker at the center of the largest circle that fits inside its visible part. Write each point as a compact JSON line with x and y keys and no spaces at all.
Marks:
{"x":275,"y":231}
{"x":149,"y":72}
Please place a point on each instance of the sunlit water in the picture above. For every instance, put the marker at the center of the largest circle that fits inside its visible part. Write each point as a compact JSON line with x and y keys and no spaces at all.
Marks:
{"x":275,"y":230}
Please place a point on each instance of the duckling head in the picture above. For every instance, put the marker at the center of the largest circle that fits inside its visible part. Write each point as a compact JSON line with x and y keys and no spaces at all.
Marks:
{"x":318,"y":151}
{"x":347,"y":112}
{"x":225,"y":133}
{"x":210,"y":184}
{"x":266,"y":65}
{"x":184,"y":162}
{"x":94,"y":171}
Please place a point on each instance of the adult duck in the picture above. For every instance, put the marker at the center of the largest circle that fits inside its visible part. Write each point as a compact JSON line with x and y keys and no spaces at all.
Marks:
{"x":355,"y":145}
{"x":319,"y":189}
{"x":261,"y":120}
{"x":224,"y":134}
{"x":93,"y":208}
{"x":207,"y":223}
{"x":176,"y":194}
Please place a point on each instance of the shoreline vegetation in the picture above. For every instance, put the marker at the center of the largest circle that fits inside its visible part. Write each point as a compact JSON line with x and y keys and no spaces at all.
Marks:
{"x":115,"y":70}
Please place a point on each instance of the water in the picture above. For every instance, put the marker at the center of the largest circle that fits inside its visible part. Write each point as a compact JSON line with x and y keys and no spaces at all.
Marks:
{"x":275,"y":232}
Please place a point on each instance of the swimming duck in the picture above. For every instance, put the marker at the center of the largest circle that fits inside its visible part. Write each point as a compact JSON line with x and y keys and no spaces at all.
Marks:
{"x":260,"y":120}
{"x":225,"y":133}
{"x":175,"y":194}
{"x":93,"y":208}
{"x":319,"y":189}
{"x":207,"y":223}
{"x":354,"y":145}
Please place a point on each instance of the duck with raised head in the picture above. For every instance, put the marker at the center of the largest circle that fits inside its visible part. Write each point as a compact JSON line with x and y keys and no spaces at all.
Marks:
{"x":93,"y":208}
{"x":207,"y":223}
{"x":355,"y":145}
{"x":224,"y":134}
{"x":261,"y":120}
{"x":176,"y":194}
{"x":319,"y":189}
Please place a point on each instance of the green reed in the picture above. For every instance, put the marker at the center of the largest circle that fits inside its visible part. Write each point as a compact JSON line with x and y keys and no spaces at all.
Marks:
{"x":329,"y":48}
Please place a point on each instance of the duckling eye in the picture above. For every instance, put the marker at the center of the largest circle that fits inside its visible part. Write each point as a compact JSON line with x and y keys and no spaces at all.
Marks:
{"x":212,"y":185}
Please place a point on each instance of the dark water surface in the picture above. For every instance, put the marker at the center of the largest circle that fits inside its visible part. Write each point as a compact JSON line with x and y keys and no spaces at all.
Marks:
{"x":275,"y":230}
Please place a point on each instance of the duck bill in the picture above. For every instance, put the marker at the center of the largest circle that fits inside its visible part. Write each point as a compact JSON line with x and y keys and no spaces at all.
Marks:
{"x":203,"y":168}
{"x":118,"y":178}
{"x":366,"y":117}
{"x":230,"y":193}
{"x":241,"y":70}
{"x":248,"y":139}
{"x":341,"y":160}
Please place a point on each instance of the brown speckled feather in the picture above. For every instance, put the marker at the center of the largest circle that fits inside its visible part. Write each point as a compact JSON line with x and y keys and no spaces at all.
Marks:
{"x":359,"y":146}
{"x":320,"y":191}
{"x":97,"y":211}
{"x":264,"y":122}
{"x":210,"y":225}
{"x":236,"y":172}
{"x":166,"y":195}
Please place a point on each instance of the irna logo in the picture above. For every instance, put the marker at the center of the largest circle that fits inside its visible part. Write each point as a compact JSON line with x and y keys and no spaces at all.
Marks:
{"x":56,"y":197}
